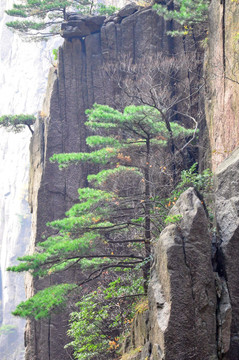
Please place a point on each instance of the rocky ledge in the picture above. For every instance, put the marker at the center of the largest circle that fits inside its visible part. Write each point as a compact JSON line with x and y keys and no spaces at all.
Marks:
{"x":78,"y":26}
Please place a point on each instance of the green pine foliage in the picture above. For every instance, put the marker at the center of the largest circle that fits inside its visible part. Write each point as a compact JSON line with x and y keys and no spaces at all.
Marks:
{"x":101,"y":156}
{"x":140,"y":122}
{"x":23,"y":26}
{"x":94,"y":141}
{"x":47,"y":15}
{"x":102,"y":316}
{"x":187,"y":13}
{"x":101,"y":177}
{"x":44,"y":302}
{"x":17,"y":123}
{"x":109,"y":232}
{"x":42,"y":14}
{"x":107,"y":10}
{"x":106,"y":215}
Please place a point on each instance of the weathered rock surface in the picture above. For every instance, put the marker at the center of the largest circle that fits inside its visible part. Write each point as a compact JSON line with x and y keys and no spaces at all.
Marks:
{"x":77,"y":83}
{"x":138,"y":337}
{"x":227,"y":210}
{"x":193,"y":312}
{"x":129,"y":10}
{"x":80,"y":26}
{"x":182,"y":296}
{"x":222,"y":89}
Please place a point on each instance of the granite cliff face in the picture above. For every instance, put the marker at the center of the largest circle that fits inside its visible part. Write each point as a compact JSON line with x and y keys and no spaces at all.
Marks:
{"x":226,"y":207}
{"x":222,"y":85}
{"x":77,"y":83}
{"x":193,"y":301}
{"x":182,"y":294}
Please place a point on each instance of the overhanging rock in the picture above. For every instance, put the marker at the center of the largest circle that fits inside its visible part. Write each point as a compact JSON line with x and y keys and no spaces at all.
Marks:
{"x":80,"y":26}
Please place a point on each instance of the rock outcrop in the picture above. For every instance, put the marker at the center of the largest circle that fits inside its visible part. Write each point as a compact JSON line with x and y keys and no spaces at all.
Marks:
{"x":136,"y":345}
{"x":194,"y":287}
{"x":182,"y":294}
{"x":227,"y":210}
{"x":77,"y":83}
{"x":80,"y":26}
{"x":189,"y":316}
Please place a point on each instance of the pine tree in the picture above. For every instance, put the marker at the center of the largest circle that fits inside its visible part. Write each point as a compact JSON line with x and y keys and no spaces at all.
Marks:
{"x":42,"y":18}
{"x":117,"y":218}
{"x":186,"y":13}
{"x":17,"y":123}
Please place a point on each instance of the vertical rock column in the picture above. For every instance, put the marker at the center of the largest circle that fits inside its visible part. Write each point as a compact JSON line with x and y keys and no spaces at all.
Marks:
{"x":227,"y":210}
{"x":182,"y":293}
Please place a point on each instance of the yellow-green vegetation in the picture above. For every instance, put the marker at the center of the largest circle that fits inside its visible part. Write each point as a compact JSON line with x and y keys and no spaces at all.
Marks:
{"x":172,"y":219}
{"x":142,"y":306}
{"x":102,"y":316}
{"x":131,"y":354}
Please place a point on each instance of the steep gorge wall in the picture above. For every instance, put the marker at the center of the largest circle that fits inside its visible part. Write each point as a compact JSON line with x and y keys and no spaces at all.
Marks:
{"x":222,"y":93}
{"x":180,"y":290}
{"x":208,"y":327}
{"x":74,"y":86}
